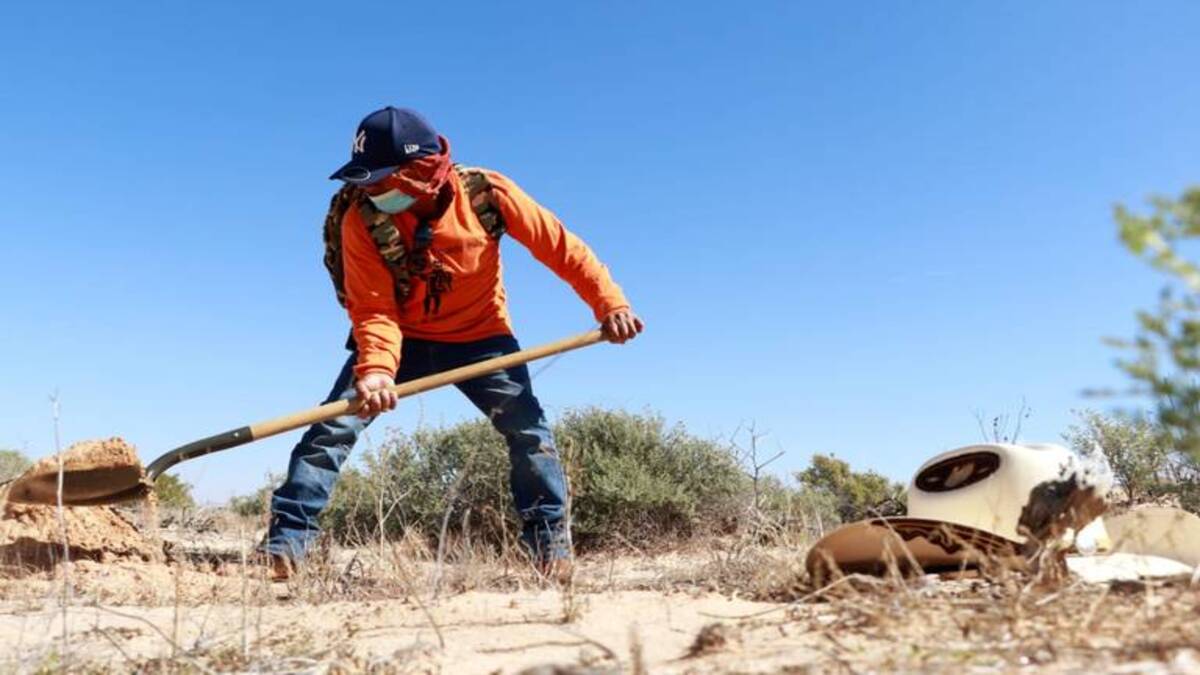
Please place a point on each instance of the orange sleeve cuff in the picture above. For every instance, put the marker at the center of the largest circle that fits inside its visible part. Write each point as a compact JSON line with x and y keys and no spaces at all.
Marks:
{"x":361,"y":370}
{"x":374,"y":362}
{"x":609,"y":302}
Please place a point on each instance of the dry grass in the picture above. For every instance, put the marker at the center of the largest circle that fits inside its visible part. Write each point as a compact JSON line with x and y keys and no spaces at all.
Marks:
{"x":741,"y":604}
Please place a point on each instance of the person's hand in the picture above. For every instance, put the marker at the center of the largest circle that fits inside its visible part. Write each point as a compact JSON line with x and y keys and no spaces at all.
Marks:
{"x":621,"y":326}
{"x":374,"y":390}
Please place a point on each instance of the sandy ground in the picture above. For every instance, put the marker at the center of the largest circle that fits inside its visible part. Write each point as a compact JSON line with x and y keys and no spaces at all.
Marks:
{"x":211,"y":609}
{"x":474,"y":632}
{"x":623,"y":613}
{"x":193,"y":600}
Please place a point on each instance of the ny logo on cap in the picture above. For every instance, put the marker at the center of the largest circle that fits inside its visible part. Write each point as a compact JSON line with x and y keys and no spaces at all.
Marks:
{"x":360,"y":142}
{"x":410,"y":148}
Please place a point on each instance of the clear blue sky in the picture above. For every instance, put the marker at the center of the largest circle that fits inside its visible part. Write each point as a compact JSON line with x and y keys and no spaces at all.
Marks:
{"x":850,"y":223}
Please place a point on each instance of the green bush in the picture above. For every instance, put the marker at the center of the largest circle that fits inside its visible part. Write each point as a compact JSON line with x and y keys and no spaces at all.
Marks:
{"x":1145,"y":467}
{"x":255,"y":504}
{"x":797,"y":510}
{"x":1185,"y":474}
{"x":12,"y":464}
{"x":421,"y":479}
{"x":632,"y":477}
{"x":854,"y":495}
{"x":635,"y":478}
{"x":173,"y":493}
{"x":1131,"y":445}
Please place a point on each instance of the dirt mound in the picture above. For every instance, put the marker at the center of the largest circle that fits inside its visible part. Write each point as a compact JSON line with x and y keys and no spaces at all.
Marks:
{"x":92,"y":473}
{"x":31,"y":535}
{"x":88,"y":456}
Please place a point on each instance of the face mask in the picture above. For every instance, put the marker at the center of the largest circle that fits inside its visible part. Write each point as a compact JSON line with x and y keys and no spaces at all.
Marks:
{"x":392,"y":201}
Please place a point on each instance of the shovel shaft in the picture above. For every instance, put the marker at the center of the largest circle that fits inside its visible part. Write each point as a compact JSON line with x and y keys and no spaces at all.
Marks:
{"x":328,"y":411}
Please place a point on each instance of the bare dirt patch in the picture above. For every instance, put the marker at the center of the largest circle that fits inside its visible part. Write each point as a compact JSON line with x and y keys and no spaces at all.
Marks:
{"x":725,"y":605}
{"x":376,"y":609}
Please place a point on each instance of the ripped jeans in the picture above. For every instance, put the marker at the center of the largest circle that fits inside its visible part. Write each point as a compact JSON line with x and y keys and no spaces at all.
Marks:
{"x":506,"y":397}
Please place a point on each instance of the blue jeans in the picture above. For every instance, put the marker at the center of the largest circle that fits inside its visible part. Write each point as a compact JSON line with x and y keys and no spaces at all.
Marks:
{"x":506,"y":397}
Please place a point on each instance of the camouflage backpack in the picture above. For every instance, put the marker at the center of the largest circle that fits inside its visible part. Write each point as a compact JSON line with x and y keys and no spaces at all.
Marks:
{"x":404,"y":263}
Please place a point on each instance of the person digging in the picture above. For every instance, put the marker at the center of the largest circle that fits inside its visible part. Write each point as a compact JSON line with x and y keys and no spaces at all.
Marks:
{"x":412,"y":246}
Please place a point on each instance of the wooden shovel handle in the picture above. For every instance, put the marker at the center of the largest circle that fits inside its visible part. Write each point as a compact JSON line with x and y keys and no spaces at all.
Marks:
{"x":328,"y":411}
{"x":345,"y":407}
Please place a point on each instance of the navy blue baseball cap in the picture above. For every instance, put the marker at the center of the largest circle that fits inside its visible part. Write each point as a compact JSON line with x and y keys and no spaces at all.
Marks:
{"x":386,"y":140}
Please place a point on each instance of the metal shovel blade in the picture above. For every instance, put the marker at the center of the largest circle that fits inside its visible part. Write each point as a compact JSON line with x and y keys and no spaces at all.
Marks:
{"x":81,"y":487}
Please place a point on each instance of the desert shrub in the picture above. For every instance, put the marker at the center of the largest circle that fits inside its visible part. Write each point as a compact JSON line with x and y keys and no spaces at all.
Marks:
{"x":784,"y":509}
{"x":1184,"y":471}
{"x":853,"y":495}
{"x":635,"y":477}
{"x":350,"y":515}
{"x":816,"y":511}
{"x":1131,"y":445}
{"x":773,"y":500}
{"x":255,"y":504}
{"x":421,"y":479}
{"x":632,"y":477}
{"x":173,"y":492}
{"x":12,"y":464}
{"x":1145,"y":467}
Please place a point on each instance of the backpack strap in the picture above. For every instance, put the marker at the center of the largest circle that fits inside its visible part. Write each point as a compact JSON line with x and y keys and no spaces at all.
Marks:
{"x":482,"y":198}
{"x":341,"y":201}
{"x":400,"y":261}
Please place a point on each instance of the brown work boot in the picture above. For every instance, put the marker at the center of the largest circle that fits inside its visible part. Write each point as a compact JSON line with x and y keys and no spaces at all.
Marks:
{"x":560,"y":571}
{"x":279,"y":568}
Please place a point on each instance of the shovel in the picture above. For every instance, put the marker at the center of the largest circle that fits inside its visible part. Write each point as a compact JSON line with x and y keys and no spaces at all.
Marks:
{"x":110,"y":485}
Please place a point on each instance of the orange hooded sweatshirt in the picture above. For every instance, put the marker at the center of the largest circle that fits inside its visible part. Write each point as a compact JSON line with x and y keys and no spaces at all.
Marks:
{"x":472,"y":305}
